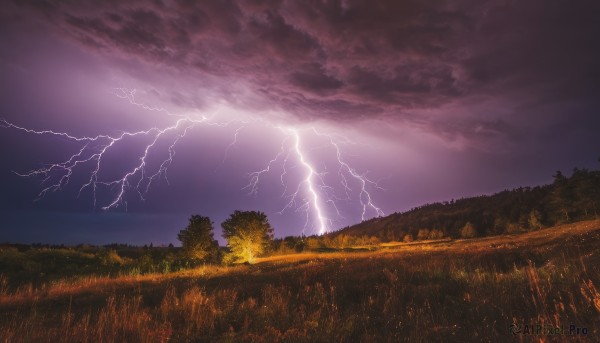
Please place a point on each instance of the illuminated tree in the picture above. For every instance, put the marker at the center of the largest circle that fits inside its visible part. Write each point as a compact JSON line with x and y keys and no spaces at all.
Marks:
{"x":314,"y":243}
{"x":373,"y":240}
{"x":248,"y":235}
{"x":343,"y":241}
{"x":197,"y":239}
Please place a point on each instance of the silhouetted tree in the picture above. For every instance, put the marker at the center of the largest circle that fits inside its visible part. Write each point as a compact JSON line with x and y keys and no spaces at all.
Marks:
{"x":248,"y":235}
{"x":586,"y":189}
{"x":197,"y":239}
{"x":295,"y":243}
{"x":562,"y":197}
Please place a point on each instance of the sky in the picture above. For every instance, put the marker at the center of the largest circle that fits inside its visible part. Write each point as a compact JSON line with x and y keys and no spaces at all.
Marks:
{"x":119,"y":121}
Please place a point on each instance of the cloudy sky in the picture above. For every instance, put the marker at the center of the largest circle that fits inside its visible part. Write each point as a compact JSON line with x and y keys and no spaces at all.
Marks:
{"x":351,"y":109}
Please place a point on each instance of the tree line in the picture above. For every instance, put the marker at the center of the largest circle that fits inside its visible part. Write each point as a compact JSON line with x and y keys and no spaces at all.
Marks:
{"x":567,"y":199}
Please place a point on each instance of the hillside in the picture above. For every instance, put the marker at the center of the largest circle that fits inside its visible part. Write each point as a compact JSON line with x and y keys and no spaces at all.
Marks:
{"x":567,"y":199}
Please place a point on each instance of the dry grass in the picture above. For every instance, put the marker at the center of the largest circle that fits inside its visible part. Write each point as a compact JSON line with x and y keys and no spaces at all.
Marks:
{"x":466,"y":290}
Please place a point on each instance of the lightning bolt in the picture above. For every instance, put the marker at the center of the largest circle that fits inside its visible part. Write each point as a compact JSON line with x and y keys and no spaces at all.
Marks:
{"x":93,"y":151}
{"x":364,"y":195}
{"x":233,"y":142}
{"x":312,"y":195}
{"x":310,"y":183}
{"x":129,"y":95}
{"x":123,"y":182}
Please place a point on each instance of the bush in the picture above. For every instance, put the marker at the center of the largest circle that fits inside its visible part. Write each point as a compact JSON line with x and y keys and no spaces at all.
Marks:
{"x":110,"y":257}
{"x":314,"y":243}
{"x":436,"y":234}
{"x":423,"y":234}
{"x":468,"y":231}
{"x":513,"y":228}
{"x":535,"y":220}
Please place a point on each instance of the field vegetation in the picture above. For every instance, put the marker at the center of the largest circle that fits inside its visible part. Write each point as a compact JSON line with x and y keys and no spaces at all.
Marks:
{"x":429,"y":290}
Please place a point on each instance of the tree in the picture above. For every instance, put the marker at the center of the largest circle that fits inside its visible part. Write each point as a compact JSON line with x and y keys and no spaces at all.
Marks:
{"x":248,"y":235}
{"x":423,"y":234}
{"x":373,"y":240}
{"x":513,"y":228}
{"x":197,"y":239}
{"x":343,"y":241}
{"x":586,"y":188}
{"x":293,"y":243}
{"x":468,"y":231}
{"x":562,"y":198}
{"x":314,"y":243}
{"x":500,"y":225}
{"x":436,"y":234}
{"x":535,"y":220}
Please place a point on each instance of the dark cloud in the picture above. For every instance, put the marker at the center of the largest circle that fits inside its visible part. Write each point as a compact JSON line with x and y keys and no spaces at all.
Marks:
{"x":314,"y":79}
{"x":340,"y":59}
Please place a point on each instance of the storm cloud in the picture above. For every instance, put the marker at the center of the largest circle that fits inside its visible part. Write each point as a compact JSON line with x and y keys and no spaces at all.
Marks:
{"x":345,"y":60}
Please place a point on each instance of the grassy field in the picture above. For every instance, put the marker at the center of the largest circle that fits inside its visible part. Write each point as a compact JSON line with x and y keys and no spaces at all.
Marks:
{"x":447,"y":290}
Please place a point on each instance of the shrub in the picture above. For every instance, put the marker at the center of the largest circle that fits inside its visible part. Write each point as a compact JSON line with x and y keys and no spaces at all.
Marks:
{"x":423,"y":234}
{"x":468,"y":231}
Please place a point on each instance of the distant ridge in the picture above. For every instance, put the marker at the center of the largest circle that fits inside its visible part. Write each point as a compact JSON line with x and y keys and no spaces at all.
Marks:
{"x":567,"y":199}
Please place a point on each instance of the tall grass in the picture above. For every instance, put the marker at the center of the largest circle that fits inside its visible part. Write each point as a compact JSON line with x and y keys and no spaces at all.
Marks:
{"x":423,"y":295}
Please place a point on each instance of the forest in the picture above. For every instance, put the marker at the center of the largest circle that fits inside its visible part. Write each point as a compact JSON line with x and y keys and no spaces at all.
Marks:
{"x":566,"y":200}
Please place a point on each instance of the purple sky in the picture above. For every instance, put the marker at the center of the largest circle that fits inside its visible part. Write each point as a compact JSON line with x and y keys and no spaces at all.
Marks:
{"x":429,"y":100}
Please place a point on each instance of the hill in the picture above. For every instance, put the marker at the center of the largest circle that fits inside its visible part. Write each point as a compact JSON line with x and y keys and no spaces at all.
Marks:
{"x":567,"y":199}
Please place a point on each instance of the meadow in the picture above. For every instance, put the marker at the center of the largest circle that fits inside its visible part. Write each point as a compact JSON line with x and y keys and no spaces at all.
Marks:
{"x":545,"y":283}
